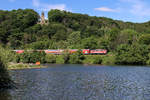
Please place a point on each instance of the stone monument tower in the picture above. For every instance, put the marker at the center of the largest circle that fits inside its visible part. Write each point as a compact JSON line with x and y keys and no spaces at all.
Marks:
{"x":42,"y":18}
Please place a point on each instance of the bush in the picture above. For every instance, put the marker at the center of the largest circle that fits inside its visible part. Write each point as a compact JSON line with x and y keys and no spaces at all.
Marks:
{"x":66,"y":56}
{"x":93,"y":59}
{"x":76,"y":58}
{"x":148,"y":61}
{"x":5,"y":81}
{"x":110,"y":59}
{"x":134,"y":54}
{"x":32,"y":57}
{"x":50,"y":58}
{"x":7,"y":54}
{"x":24,"y":57}
{"x":60,"y":59}
{"x":37,"y":56}
{"x":18,"y":58}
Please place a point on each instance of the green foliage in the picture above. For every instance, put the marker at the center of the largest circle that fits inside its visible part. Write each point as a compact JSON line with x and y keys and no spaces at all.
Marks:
{"x":76,"y":58}
{"x":32,"y":57}
{"x":60,"y":59}
{"x":50,"y":58}
{"x":6,"y":54}
{"x":39,"y":45}
{"x":56,"y":16}
{"x":89,"y":43}
{"x":13,"y":24}
{"x":3,"y":58}
{"x":66,"y":56}
{"x":16,"y":40}
{"x":109,"y":59}
{"x":103,"y":43}
{"x":148,"y":61}
{"x":24,"y":57}
{"x":66,"y":30}
{"x":60,"y":32}
{"x":144,"y":39}
{"x":5,"y":81}
{"x":38,"y":56}
{"x":74,"y":40}
{"x":132,"y":55}
{"x":93,"y":59}
{"x":126,"y":36}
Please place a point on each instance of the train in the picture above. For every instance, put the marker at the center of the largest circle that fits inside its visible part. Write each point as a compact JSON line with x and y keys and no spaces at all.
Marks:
{"x":71,"y":51}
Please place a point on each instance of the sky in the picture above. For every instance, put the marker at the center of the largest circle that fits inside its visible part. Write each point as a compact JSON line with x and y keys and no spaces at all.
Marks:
{"x":125,"y":10}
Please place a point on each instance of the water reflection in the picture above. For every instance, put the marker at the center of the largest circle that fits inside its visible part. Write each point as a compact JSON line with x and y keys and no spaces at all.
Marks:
{"x":82,"y":83}
{"x":5,"y":95}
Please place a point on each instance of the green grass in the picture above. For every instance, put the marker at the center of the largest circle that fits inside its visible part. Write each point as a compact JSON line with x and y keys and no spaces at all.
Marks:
{"x":23,"y":66}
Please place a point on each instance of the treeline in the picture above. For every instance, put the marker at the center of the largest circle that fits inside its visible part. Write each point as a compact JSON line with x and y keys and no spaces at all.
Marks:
{"x":128,"y":42}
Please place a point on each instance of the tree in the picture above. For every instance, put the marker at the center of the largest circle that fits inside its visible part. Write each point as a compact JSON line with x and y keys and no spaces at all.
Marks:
{"x":60,"y":32}
{"x":5,"y":81}
{"x":76,"y":58}
{"x":127,"y":36}
{"x":89,"y":43}
{"x":56,"y":16}
{"x":132,"y":54}
{"x":74,"y":40}
{"x":15,"y":40}
{"x":144,"y":39}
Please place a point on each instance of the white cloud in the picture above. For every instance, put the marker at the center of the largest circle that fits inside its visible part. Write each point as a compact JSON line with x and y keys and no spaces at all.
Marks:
{"x":106,"y":9}
{"x":12,"y":0}
{"x":47,"y":7}
{"x":137,"y":7}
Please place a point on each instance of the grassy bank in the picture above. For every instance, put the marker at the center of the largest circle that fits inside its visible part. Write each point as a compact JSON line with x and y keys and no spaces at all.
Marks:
{"x":123,"y":57}
{"x":23,"y":66}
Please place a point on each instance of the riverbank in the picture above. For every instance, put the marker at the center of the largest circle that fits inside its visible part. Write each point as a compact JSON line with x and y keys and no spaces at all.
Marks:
{"x":13,"y":66}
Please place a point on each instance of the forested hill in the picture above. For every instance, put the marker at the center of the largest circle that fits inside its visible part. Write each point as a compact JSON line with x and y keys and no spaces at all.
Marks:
{"x":19,"y":29}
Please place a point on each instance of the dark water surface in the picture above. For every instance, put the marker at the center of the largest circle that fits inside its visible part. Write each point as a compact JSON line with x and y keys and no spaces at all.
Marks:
{"x":77,"y":82}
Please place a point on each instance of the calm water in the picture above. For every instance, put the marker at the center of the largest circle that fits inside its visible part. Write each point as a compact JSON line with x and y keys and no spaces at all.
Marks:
{"x":77,"y":82}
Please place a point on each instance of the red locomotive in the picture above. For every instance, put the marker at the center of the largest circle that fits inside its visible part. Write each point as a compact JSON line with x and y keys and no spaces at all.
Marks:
{"x":71,"y":51}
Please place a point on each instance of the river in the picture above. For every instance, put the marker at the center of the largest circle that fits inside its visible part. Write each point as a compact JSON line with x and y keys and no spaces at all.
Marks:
{"x":79,"y":82}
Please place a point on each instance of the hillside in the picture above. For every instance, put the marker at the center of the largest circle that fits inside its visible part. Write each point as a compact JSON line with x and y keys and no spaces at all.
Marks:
{"x":20,"y":29}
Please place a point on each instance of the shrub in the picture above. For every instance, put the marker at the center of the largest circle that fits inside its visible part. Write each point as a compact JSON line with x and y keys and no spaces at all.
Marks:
{"x":37,"y":56}
{"x":66,"y":56}
{"x":24,"y":57}
{"x":148,"y":61}
{"x":134,"y":54}
{"x":76,"y":58}
{"x":32,"y":57}
{"x":109,"y":59}
{"x":60,"y":59}
{"x":18,"y":58}
{"x":5,"y":81}
{"x":93,"y":59}
{"x":50,"y":58}
{"x":97,"y":60}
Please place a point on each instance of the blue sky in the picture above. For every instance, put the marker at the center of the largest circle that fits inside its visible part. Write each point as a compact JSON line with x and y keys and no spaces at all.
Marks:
{"x":126,"y":10}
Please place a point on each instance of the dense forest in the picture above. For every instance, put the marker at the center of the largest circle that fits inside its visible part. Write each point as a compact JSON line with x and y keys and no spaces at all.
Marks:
{"x":126,"y":42}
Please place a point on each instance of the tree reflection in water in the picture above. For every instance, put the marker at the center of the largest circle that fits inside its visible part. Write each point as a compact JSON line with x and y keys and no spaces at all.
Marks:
{"x":4,"y":95}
